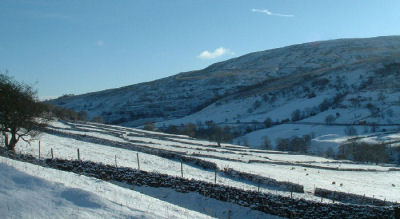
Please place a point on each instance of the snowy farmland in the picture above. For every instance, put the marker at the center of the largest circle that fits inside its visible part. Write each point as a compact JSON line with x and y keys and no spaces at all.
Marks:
{"x":378,"y":181}
{"x":50,"y":193}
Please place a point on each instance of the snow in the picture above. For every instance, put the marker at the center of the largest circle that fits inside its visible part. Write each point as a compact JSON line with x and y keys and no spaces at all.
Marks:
{"x":175,"y":98}
{"x":280,"y":166}
{"x":30,"y":191}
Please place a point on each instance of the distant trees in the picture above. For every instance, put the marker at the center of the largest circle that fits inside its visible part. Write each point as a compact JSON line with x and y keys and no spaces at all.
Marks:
{"x":218,"y":135}
{"x":296,"y":115}
{"x":21,"y":114}
{"x":330,"y":153}
{"x":172,"y":129}
{"x":189,"y":129}
{"x":98,"y":119}
{"x":294,"y":144}
{"x":149,"y":126}
{"x":363,"y":152}
{"x":350,"y":131}
{"x":268,"y":122}
{"x":67,"y":114}
{"x":210,"y":131}
{"x":329,"y":119}
{"x":266,"y":143}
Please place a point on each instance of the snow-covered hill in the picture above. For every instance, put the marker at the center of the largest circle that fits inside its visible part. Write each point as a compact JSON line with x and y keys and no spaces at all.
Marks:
{"x":354,"y":81}
{"x":31,"y":191}
{"x":109,"y":150}
{"x":116,"y":145}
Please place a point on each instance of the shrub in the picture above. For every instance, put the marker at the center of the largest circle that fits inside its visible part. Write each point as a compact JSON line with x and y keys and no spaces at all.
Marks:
{"x":350,"y":131}
{"x":268,"y":122}
{"x":329,"y":119}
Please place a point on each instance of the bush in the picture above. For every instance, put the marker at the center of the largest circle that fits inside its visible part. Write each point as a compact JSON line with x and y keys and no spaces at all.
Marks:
{"x":189,"y":129}
{"x":172,"y":129}
{"x":98,"y":119}
{"x":330,"y":153}
{"x":329,"y":119}
{"x":296,"y":115}
{"x":268,"y":122}
{"x":149,"y":126}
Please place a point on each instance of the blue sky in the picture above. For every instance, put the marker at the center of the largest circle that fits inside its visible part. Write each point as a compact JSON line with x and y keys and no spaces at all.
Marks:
{"x":62,"y":47}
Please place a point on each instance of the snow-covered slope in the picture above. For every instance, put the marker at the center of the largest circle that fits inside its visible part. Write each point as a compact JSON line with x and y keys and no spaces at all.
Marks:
{"x":377,"y":181}
{"x":30,"y":191}
{"x":353,"y":80}
{"x":184,"y":93}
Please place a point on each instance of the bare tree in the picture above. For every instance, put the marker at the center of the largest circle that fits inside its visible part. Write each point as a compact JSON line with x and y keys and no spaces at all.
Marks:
{"x":330,"y":119}
{"x":266,"y":143}
{"x":21,"y":114}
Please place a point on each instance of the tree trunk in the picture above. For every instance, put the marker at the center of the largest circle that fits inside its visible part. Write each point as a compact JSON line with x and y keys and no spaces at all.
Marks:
{"x":13,"y":142}
{"x":5,"y":139}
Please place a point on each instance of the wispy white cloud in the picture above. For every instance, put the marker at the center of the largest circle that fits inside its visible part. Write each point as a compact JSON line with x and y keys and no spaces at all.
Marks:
{"x":268,"y":12}
{"x":215,"y":54}
{"x":100,"y":43}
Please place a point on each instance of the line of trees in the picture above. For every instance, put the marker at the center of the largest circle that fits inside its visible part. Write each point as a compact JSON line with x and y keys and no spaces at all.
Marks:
{"x":68,"y":114}
{"x":364,"y":152}
{"x":209,"y":131}
{"x":294,"y":144}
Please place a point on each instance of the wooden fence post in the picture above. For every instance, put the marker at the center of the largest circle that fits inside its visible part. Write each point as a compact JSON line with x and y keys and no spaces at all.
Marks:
{"x":215,"y":177}
{"x":181,"y":169}
{"x":52,"y":154}
{"x":291,"y":192}
{"x":138,"y":162}
{"x":79,"y":155}
{"x":39,"y":150}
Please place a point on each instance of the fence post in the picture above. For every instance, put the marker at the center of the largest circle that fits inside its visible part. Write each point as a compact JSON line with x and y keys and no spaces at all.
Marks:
{"x":79,"y":155}
{"x":138,"y":163}
{"x":39,"y":150}
{"x":215,"y":177}
{"x":181,"y":169}
{"x":52,"y":154}
{"x":291,"y":192}
{"x":115,"y":160}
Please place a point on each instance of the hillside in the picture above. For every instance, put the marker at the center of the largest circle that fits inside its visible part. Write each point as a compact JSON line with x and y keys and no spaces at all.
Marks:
{"x":354,"y":81}
{"x":49,"y":193}
{"x":178,"y":176}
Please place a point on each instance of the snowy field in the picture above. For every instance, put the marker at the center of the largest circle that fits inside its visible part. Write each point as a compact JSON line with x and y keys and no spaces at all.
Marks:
{"x":30,"y":191}
{"x":310,"y":171}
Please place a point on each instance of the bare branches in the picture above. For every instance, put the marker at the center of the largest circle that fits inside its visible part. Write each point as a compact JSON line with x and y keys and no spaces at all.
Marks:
{"x":19,"y":111}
